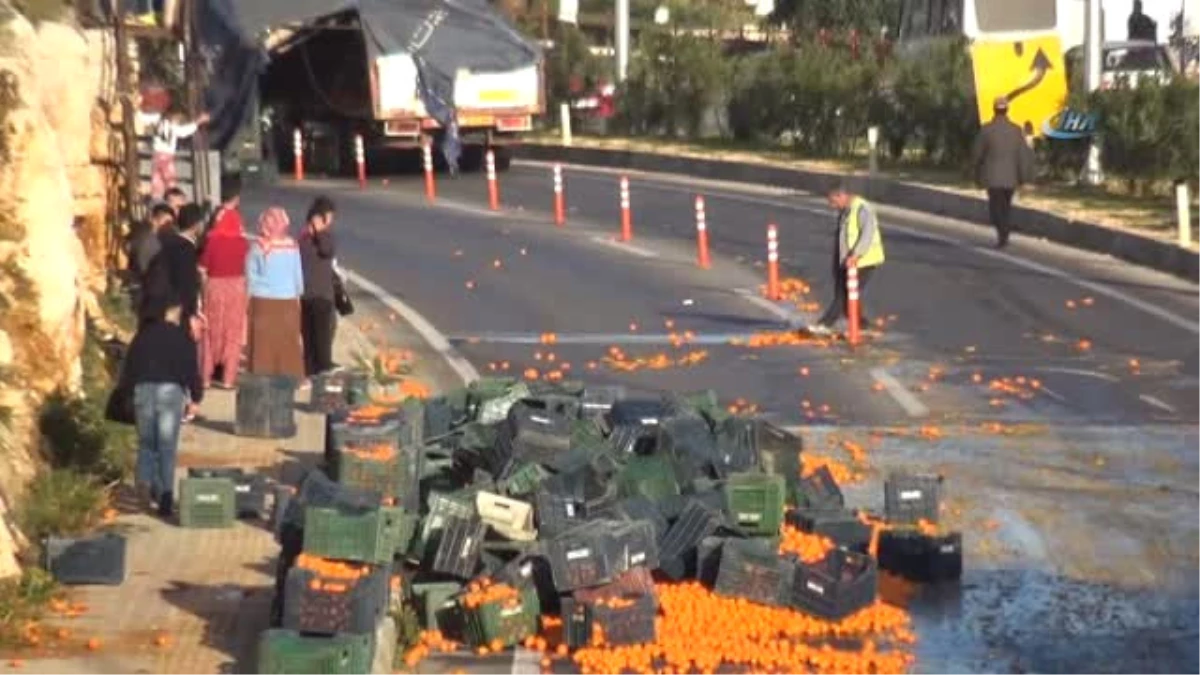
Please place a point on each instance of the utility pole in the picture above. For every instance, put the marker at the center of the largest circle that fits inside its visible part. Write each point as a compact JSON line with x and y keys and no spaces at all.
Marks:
{"x":622,"y":40}
{"x":1093,"y":53}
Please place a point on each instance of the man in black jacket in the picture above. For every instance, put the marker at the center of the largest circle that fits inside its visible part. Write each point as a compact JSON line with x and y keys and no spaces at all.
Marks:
{"x":318,"y":319}
{"x":176,"y":270}
{"x":1003,"y":162}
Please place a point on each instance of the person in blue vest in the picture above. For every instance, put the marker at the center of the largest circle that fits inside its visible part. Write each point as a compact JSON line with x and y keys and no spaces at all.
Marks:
{"x":859,"y":243}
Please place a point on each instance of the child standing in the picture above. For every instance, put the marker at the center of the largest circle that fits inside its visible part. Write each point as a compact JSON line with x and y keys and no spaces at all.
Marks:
{"x":165,"y":131}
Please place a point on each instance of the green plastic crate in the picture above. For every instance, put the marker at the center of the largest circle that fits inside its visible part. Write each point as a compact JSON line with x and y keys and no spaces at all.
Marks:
{"x":497,"y":621}
{"x":525,"y":480}
{"x":207,"y":502}
{"x":441,"y":507}
{"x":367,"y":536}
{"x":406,"y":531}
{"x":286,"y":651}
{"x":755,"y":501}
{"x":650,"y":476}
{"x":375,"y":475}
{"x":435,"y":602}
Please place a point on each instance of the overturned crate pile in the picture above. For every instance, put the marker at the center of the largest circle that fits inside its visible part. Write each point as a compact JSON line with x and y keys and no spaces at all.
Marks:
{"x":556,"y":517}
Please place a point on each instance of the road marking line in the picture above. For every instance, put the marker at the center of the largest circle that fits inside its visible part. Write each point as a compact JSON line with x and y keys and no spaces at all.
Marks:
{"x":793,"y":318}
{"x":1078,"y":371}
{"x":905,"y":398}
{"x":1053,"y":394}
{"x":526,"y":662}
{"x":1189,"y":325}
{"x":462,"y":367}
{"x":622,"y":246}
{"x":1157,"y":403}
{"x":598,"y":338}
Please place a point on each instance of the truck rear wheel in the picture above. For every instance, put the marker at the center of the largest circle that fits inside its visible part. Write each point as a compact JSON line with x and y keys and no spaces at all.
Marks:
{"x":503,"y":158}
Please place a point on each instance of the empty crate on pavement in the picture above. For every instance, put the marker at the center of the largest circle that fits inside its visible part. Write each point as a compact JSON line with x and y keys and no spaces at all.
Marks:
{"x":250,"y":489}
{"x":207,"y":502}
{"x":93,"y":560}
{"x":523,"y":501}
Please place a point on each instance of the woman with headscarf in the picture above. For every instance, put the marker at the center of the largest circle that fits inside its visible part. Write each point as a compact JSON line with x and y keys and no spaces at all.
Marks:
{"x":224,"y":263}
{"x":275,"y":282}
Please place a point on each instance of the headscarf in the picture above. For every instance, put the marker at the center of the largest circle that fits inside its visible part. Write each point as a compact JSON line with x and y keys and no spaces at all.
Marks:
{"x":227,"y":224}
{"x":273,"y":230}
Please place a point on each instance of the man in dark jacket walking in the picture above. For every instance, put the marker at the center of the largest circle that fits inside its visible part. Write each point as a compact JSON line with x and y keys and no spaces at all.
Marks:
{"x":1003,"y":162}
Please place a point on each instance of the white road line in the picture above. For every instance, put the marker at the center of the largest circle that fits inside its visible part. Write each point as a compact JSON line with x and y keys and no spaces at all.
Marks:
{"x":1157,"y":403}
{"x":622,"y":246}
{"x":462,"y":367}
{"x":1053,"y":394}
{"x":467,"y":208}
{"x":1080,"y":372}
{"x":793,"y":318}
{"x":1176,"y":320}
{"x":526,"y":662}
{"x":905,"y":398}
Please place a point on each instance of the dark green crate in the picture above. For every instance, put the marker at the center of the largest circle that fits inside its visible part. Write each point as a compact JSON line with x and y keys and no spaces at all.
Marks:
{"x":755,"y":501}
{"x":494,"y":621}
{"x":207,"y":502}
{"x":286,"y":651}
{"x":406,"y":531}
{"x":376,"y":475}
{"x":362,"y":536}
{"x":442,"y":506}
{"x":435,"y":602}
{"x":650,"y":476}
{"x":525,"y":480}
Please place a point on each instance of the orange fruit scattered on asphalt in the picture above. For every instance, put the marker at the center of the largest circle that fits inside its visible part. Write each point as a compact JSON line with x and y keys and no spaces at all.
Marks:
{"x":1070,"y":304}
{"x":877,"y":387}
{"x":1084,"y":345}
{"x":633,"y":327}
{"x":470,"y":285}
{"x":63,"y":633}
{"x":497,"y":264}
{"x":93,"y":644}
{"x":976,"y":378}
{"x":804,"y":371}
{"x":531,"y":373}
{"x":1135,"y":364}
{"x":1088,"y":301}
{"x":161,"y":640}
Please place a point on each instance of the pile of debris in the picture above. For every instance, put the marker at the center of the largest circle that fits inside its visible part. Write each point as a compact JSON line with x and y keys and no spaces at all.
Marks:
{"x":507,"y":509}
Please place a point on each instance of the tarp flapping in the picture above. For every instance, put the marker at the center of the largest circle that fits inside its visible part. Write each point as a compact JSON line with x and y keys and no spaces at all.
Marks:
{"x":233,"y":61}
{"x":443,"y":36}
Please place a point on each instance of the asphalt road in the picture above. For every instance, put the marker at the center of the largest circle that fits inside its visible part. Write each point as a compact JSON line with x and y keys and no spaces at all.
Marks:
{"x":1105,"y":468}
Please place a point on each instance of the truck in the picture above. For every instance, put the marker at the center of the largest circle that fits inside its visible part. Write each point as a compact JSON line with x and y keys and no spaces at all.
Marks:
{"x":334,"y":78}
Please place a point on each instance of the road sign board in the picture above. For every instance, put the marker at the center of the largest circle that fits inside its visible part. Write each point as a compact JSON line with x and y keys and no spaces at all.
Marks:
{"x":1029,"y":72}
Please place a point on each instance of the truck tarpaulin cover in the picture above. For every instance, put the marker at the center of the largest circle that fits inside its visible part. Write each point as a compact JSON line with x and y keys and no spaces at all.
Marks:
{"x":443,"y":36}
{"x":233,"y":61}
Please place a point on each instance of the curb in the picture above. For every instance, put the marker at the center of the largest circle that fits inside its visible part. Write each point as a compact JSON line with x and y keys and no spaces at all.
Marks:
{"x":1132,"y":248}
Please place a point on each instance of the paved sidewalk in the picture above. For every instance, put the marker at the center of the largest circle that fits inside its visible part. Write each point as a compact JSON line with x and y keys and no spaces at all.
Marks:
{"x":195,"y":601}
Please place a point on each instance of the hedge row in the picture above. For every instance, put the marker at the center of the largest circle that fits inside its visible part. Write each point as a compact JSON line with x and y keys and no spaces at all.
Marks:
{"x":820,"y":98}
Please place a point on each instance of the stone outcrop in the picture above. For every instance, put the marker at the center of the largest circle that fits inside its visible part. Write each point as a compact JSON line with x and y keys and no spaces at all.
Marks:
{"x":55,"y":82}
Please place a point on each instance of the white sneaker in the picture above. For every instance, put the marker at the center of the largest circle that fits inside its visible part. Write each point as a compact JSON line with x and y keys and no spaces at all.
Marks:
{"x":820,"y":329}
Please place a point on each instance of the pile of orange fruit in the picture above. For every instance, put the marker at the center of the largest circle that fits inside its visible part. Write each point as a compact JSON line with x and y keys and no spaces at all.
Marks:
{"x":368,"y":414}
{"x":333,"y":576}
{"x":484,"y":592}
{"x":843,"y":474}
{"x":700,"y":631}
{"x":808,"y":547}
{"x":618,"y":360}
{"x":376,"y":452}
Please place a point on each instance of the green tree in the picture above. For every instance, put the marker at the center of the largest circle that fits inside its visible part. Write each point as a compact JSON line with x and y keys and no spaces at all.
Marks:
{"x":807,"y":17}
{"x":674,"y":80}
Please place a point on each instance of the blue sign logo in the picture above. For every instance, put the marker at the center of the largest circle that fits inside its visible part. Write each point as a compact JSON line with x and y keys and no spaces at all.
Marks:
{"x":1070,"y":125}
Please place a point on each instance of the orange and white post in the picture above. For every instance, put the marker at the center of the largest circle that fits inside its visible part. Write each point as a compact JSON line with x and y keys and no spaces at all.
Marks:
{"x":772,"y":262}
{"x":427,"y":163}
{"x":560,"y":209}
{"x":701,"y":234}
{"x":626,"y":216}
{"x":298,"y":154}
{"x":493,"y":189}
{"x":360,"y":160}
{"x":853,"y":309}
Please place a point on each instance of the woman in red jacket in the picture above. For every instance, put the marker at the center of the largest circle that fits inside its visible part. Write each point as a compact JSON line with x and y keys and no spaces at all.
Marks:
{"x":225,"y":303}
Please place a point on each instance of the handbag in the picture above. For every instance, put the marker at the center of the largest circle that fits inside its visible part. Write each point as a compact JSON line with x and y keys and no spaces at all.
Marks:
{"x":119,"y":407}
{"x":341,"y":299}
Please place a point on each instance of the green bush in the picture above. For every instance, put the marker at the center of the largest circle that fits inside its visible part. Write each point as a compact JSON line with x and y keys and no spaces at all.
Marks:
{"x":673,"y":81}
{"x":571,"y":62}
{"x":23,"y":600}
{"x":76,"y":433}
{"x":1150,"y":133}
{"x":929,"y":103}
{"x":61,"y":502}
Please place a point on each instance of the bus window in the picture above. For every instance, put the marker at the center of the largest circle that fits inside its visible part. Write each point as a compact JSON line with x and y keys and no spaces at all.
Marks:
{"x":999,"y":16}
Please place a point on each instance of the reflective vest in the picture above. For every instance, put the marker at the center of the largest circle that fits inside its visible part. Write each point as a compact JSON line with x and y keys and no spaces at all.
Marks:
{"x":874,"y":255}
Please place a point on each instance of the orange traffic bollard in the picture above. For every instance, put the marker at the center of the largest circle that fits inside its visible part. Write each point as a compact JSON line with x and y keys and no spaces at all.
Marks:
{"x":853,"y":311}
{"x":560,"y":211}
{"x":427,"y":161}
{"x":493,"y":189}
{"x":701,"y":234}
{"x":360,"y":158}
{"x":772,"y":262}
{"x":626,"y":218}
{"x":298,"y":154}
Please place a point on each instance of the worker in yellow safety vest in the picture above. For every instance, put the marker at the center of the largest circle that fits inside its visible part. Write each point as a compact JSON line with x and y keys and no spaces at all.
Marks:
{"x":859,"y":243}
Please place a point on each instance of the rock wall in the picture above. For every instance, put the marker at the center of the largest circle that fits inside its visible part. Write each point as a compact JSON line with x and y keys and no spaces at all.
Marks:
{"x":58,"y":86}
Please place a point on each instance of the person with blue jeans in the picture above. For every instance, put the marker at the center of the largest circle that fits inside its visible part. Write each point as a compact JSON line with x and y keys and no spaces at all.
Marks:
{"x":162,"y":369}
